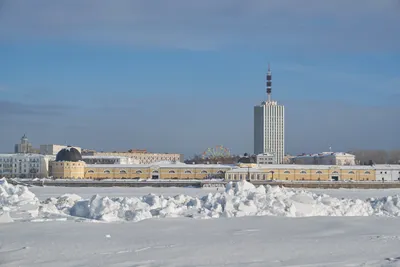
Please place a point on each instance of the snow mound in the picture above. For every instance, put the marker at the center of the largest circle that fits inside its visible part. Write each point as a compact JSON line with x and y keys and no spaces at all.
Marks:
{"x":17,"y":201}
{"x":239,"y":199}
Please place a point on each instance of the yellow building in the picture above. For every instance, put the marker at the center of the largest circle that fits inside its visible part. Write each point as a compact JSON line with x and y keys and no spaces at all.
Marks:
{"x":294,"y":172}
{"x":69,"y":165}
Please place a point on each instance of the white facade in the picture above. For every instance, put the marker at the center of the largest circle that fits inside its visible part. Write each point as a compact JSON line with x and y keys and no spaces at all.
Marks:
{"x":141,"y":158}
{"x":325,"y":158}
{"x":108,"y":160}
{"x":268,"y":158}
{"x":387,"y":172}
{"x":269,"y":130}
{"x":24,"y":165}
{"x":54,"y":149}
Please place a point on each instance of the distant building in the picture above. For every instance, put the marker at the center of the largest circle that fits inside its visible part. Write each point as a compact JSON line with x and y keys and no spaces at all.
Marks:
{"x":53,"y":149}
{"x":140,"y":157}
{"x":269,"y":126}
{"x":325,"y":158}
{"x":267,"y":158}
{"x":24,"y":165}
{"x":385,"y":172}
{"x":108,"y":160}
{"x":70,"y":164}
{"x":24,"y":146}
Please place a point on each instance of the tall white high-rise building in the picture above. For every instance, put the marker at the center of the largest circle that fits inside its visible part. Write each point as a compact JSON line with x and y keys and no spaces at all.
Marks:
{"x":269,"y":126}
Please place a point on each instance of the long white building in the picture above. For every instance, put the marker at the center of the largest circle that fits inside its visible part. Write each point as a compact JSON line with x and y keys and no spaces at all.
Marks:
{"x":269,"y":126}
{"x":25,"y":165}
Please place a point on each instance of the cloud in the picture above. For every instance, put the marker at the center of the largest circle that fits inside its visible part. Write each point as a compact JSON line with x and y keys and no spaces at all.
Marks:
{"x":358,"y":25}
{"x":8,"y":108}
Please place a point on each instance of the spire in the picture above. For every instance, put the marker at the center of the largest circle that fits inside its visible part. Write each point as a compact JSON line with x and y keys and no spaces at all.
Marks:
{"x":269,"y":83}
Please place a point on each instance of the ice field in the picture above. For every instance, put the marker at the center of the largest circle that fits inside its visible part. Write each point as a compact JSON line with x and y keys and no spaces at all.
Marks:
{"x":237,"y":226}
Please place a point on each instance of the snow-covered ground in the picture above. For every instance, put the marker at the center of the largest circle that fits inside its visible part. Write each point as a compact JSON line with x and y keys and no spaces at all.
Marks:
{"x":301,"y":228}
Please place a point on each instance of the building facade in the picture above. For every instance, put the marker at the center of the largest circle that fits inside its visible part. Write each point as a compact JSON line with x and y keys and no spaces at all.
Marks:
{"x":53,"y":149}
{"x":325,"y":158}
{"x":269,"y":126}
{"x":141,"y":158}
{"x":268,"y":158}
{"x":24,"y":146}
{"x":25,"y":165}
{"x":107,"y":160}
{"x":386,"y":172}
{"x":294,"y":172}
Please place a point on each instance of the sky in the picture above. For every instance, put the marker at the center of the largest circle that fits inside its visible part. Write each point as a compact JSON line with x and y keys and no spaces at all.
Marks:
{"x":182,"y":75}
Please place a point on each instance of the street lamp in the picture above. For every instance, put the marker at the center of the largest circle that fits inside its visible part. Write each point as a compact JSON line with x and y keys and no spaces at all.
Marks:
{"x":248,"y":173}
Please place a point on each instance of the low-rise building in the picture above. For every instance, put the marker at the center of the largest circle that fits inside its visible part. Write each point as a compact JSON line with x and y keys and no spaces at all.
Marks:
{"x":25,"y":165}
{"x":69,"y":164}
{"x":325,"y":158}
{"x":141,"y":157}
{"x":266,"y":158}
{"x":108,"y":160}
{"x":294,"y":172}
{"x":386,"y":172}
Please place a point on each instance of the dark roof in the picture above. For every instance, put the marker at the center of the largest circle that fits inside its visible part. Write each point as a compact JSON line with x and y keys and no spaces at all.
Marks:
{"x":69,"y":154}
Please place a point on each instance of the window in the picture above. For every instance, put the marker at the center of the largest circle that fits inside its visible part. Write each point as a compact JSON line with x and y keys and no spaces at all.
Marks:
{"x":189,"y":172}
{"x":152,"y":172}
{"x":335,"y":172}
{"x":367,"y":172}
{"x":319,"y":172}
{"x":140,"y":172}
{"x":220,"y":172}
{"x":203,"y":172}
{"x":122,"y":172}
{"x":287,"y":172}
{"x":303,"y":172}
{"x":229,"y":176}
{"x":351,"y":172}
{"x":107,"y":172}
{"x":171,"y":171}
{"x":90,"y":171}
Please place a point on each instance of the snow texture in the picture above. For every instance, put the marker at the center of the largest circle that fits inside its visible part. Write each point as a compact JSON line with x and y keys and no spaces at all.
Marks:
{"x":238,"y":200}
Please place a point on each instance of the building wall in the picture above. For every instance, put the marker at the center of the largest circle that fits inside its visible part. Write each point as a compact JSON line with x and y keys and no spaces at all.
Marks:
{"x":304,"y":174}
{"x":107,"y":160}
{"x":24,"y":166}
{"x":68,"y":170}
{"x":325,"y":158}
{"x":144,"y":158}
{"x":269,"y":122}
{"x":268,"y":158}
{"x":387,"y":172}
{"x":125,"y":172}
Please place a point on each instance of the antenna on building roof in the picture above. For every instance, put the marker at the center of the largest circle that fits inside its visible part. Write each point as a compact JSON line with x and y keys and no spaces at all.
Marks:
{"x":269,"y":83}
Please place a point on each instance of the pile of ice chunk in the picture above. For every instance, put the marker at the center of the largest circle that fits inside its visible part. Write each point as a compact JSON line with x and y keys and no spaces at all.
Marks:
{"x":18,"y":201}
{"x":239,"y":199}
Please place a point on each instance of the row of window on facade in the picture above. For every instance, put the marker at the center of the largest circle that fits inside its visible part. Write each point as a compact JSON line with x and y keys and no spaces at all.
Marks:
{"x":320,"y":172}
{"x":264,"y":177}
{"x":18,"y":160}
{"x":154,"y":172}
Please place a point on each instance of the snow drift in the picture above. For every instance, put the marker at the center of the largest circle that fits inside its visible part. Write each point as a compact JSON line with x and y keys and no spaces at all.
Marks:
{"x":238,"y":199}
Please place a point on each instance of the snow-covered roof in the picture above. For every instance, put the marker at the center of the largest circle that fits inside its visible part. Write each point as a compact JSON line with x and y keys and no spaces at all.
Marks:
{"x":303,"y":167}
{"x":324,"y":154}
{"x":387,"y":167}
{"x":162,"y":165}
{"x":104,"y":157}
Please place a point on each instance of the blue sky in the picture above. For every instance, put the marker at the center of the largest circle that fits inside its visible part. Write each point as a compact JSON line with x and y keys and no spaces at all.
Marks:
{"x":181,"y":76}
